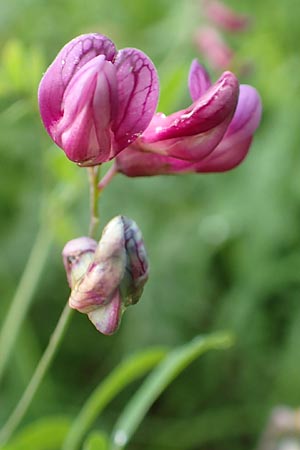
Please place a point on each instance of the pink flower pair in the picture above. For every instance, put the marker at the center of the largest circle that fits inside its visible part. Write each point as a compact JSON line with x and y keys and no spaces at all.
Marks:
{"x":98,"y":104}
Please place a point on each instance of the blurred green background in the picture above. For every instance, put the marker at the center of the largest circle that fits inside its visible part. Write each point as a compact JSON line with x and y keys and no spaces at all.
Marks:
{"x":224,"y":249}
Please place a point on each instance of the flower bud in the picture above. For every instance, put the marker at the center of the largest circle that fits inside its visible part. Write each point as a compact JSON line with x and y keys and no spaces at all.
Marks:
{"x":77,"y":255}
{"x":108,"y":277}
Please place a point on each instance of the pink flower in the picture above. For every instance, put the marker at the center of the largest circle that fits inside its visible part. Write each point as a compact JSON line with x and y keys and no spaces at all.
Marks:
{"x":225,"y":17}
{"x":95,"y":100}
{"x":212,"y":46}
{"x":212,"y":135}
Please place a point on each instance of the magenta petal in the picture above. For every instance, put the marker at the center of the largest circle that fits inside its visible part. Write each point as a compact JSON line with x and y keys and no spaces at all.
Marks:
{"x":193,"y":133}
{"x":133,"y":162}
{"x":138,"y":92}
{"x":237,"y":140}
{"x":199,"y":81}
{"x":215,"y":106}
{"x":247,"y":115}
{"x":88,"y":105}
{"x":69,"y":60}
{"x":224,"y":157}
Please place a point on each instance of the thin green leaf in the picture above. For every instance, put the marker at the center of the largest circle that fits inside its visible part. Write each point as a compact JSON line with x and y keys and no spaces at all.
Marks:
{"x":96,"y":441}
{"x":44,"y":434}
{"x":176,"y":361}
{"x":129,"y":370}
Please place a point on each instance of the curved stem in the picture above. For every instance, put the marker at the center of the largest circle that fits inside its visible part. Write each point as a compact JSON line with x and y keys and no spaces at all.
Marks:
{"x":93,"y":173}
{"x":24,"y":295}
{"x":58,"y":334}
{"x":21,"y":408}
{"x":112,"y":171}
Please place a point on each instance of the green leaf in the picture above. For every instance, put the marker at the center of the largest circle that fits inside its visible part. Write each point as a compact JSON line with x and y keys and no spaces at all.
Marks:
{"x":96,"y":441}
{"x":128,"y":371}
{"x":44,"y":434}
{"x":175,"y":362}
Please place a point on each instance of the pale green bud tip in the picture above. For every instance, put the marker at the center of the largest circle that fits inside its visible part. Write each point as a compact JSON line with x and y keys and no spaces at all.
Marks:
{"x":77,"y":255}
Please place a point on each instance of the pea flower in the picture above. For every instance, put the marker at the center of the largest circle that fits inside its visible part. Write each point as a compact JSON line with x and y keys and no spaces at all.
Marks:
{"x":213,"y":47}
{"x":94,"y":100}
{"x":224,"y":17}
{"x":107,"y":277}
{"x":212,"y":135}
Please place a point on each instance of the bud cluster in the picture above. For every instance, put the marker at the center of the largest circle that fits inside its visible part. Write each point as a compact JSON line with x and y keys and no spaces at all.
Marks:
{"x":107,"y":277}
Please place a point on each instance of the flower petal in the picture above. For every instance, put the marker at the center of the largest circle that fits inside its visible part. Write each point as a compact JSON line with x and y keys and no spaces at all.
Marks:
{"x":137,"y":96}
{"x":69,"y":60}
{"x":193,"y":133}
{"x":210,"y":110}
{"x":88,"y":105}
{"x":247,"y":115}
{"x":224,"y":157}
{"x":134,"y":162}
{"x":199,"y":80}
{"x":77,"y":255}
{"x":105,"y":273}
{"x":136,"y":273}
{"x":237,"y":140}
{"x":107,"y":318}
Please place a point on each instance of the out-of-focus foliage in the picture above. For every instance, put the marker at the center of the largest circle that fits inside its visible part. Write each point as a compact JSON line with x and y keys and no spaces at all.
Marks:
{"x":224,"y":249}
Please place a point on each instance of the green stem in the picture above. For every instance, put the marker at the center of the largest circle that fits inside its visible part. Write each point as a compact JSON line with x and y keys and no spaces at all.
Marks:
{"x":112,"y":171}
{"x":24,"y":295}
{"x":93,"y":173}
{"x":37,"y":377}
{"x":18,"y":311}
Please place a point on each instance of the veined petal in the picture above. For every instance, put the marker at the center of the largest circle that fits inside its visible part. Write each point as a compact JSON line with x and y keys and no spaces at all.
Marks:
{"x":136,"y":273}
{"x":138,"y":92}
{"x":69,"y":60}
{"x":235,"y":145}
{"x":199,"y":80}
{"x":88,"y":105}
{"x":214,"y":107}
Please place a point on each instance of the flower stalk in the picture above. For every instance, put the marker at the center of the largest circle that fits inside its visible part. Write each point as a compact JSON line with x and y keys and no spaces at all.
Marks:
{"x":93,"y":173}
{"x":59,"y":332}
{"x":44,"y":364}
{"x":24,"y":295}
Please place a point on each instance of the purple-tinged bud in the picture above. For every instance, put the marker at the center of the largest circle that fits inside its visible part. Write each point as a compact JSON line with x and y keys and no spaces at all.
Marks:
{"x":115,"y":276}
{"x":77,"y":256}
{"x":95,"y":101}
